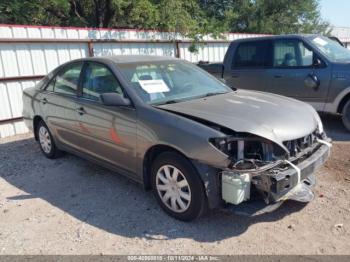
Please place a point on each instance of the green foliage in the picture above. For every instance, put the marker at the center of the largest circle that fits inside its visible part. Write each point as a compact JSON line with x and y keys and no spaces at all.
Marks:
{"x":49,"y":12}
{"x":193,"y":18}
{"x":275,"y":16}
{"x":143,"y":14}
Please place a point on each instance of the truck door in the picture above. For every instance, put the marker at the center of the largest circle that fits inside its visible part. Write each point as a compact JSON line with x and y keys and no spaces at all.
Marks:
{"x":249,"y":63}
{"x":298,"y":72}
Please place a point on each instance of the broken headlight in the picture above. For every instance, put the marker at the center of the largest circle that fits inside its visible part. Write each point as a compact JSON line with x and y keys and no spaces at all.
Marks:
{"x":248,"y":153}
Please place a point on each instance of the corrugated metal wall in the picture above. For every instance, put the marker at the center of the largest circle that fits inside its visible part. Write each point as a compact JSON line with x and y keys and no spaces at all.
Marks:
{"x":30,"y":51}
{"x":163,"y":49}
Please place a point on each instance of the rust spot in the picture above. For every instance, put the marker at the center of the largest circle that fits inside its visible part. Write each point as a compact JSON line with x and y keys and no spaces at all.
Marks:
{"x":114,"y":136}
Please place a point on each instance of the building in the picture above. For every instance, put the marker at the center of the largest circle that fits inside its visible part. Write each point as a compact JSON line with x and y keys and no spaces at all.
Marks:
{"x":343,"y":34}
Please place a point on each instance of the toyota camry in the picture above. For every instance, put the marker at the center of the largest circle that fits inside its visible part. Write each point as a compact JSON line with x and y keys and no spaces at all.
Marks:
{"x":166,"y":123}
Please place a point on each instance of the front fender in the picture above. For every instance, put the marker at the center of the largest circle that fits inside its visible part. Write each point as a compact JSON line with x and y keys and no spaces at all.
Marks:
{"x":332,"y":107}
{"x":159,"y":127}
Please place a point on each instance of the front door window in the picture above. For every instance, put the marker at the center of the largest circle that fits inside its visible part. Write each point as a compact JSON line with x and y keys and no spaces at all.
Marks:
{"x":98,"y":79}
{"x":292,"y":53}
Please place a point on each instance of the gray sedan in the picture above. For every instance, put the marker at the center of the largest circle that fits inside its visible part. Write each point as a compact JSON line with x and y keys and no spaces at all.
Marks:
{"x":171,"y":126}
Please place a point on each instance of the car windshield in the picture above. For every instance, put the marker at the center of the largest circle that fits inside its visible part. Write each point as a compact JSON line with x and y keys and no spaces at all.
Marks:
{"x":161,"y":82}
{"x":331,"y":49}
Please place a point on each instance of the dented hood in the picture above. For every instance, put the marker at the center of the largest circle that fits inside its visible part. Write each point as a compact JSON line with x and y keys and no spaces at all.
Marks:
{"x":271,"y":116}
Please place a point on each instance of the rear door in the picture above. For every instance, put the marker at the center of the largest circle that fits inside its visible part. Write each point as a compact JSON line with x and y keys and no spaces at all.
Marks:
{"x":293,"y":62}
{"x":58,"y":104}
{"x":107,"y":133}
{"x":249,"y":64}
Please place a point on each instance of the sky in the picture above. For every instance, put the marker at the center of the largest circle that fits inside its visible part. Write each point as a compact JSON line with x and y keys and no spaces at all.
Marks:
{"x":336,"y":12}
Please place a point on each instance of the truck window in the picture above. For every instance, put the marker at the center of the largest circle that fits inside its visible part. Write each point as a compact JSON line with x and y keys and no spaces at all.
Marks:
{"x":291,"y":53}
{"x":252,"y":54}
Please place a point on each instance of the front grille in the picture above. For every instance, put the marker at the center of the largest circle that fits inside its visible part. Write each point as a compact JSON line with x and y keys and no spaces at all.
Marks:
{"x":297,"y":146}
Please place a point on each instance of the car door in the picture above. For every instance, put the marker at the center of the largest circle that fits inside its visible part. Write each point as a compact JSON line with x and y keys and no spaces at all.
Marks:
{"x":295,"y":64}
{"x":107,"y":133}
{"x":249,"y":64}
{"x":58,"y":104}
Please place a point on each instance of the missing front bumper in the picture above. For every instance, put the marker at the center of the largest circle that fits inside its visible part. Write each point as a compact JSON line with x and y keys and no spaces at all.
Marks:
{"x":294,"y":183}
{"x":278,"y":185}
{"x":301,"y":193}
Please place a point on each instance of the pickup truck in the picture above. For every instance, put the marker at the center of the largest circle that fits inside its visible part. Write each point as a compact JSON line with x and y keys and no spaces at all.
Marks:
{"x":310,"y":68}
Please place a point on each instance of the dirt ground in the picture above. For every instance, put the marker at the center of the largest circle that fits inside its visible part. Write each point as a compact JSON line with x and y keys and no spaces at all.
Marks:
{"x":71,"y":206}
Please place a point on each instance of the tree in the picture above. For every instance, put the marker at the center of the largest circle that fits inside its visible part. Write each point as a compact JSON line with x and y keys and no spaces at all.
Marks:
{"x":274,"y":16}
{"x":193,"y":18}
{"x":51,"y":12}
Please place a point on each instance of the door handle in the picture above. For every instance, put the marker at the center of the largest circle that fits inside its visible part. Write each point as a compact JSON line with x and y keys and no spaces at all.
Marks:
{"x":235,"y":76}
{"x":80,"y":110}
{"x":44,"y":100}
{"x":278,"y":76}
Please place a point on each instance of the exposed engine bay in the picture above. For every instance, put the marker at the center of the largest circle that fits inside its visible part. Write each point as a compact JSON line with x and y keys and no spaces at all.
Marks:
{"x":261,"y":166}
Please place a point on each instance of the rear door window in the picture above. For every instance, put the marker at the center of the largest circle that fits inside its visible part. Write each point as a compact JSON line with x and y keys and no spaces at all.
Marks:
{"x":50,"y":87}
{"x":253,"y":55}
{"x":66,"y":81}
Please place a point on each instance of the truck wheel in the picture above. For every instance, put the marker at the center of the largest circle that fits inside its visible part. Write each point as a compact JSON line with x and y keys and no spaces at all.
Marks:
{"x":346,"y":115}
{"x":177,"y":186}
{"x":46,"y":141}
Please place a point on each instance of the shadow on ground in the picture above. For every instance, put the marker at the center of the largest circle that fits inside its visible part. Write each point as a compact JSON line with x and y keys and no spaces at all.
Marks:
{"x":114,"y":203}
{"x":334,"y":127}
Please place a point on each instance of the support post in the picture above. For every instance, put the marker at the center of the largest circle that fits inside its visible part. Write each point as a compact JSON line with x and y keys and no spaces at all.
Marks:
{"x":91,"y":48}
{"x":177,"y":49}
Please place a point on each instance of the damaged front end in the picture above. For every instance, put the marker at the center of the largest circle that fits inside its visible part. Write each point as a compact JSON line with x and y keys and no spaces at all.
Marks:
{"x":261,"y":169}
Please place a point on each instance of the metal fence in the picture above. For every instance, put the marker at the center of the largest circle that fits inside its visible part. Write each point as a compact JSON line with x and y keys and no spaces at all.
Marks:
{"x":27,"y":53}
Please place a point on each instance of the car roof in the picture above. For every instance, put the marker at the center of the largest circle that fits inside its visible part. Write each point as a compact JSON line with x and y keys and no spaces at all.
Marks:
{"x":272,"y":37}
{"x":128,"y":58}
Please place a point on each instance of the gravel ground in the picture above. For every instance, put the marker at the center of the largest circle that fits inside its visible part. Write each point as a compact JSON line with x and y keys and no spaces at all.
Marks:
{"x":71,"y":206}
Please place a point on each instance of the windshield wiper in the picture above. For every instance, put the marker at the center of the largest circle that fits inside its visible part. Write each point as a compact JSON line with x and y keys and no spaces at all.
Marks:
{"x":171,"y":101}
{"x":213,"y":94}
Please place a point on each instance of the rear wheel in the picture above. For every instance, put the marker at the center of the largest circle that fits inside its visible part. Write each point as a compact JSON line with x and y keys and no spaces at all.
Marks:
{"x":346,"y":115}
{"x":46,"y":142}
{"x":177,"y":186}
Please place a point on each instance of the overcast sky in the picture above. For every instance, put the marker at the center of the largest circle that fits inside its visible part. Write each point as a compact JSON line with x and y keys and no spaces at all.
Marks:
{"x":337,"y":12}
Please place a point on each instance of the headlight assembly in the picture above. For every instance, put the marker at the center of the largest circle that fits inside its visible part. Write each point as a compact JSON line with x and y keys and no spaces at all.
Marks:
{"x":248,"y":153}
{"x":320,"y":126}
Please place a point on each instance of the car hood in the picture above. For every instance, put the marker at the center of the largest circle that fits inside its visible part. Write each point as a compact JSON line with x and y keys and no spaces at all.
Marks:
{"x":271,"y":116}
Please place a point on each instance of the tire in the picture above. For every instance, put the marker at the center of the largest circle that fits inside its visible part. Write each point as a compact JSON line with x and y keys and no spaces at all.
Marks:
{"x":46,"y":141}
{"x":346,"y":115}
{"x":183,"y":198}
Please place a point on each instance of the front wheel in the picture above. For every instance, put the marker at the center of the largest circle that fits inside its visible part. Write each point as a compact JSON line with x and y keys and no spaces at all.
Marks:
{"x":346,"y":115}
{"x":177,"y":186}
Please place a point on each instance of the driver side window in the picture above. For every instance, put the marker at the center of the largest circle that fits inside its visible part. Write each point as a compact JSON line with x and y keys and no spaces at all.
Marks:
{"x":291,"y":53}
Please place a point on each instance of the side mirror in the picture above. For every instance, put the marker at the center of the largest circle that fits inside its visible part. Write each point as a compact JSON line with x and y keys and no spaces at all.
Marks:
{"x":312,"y":81}
{"x":114,"y":99}
{"x":317,"y":63}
